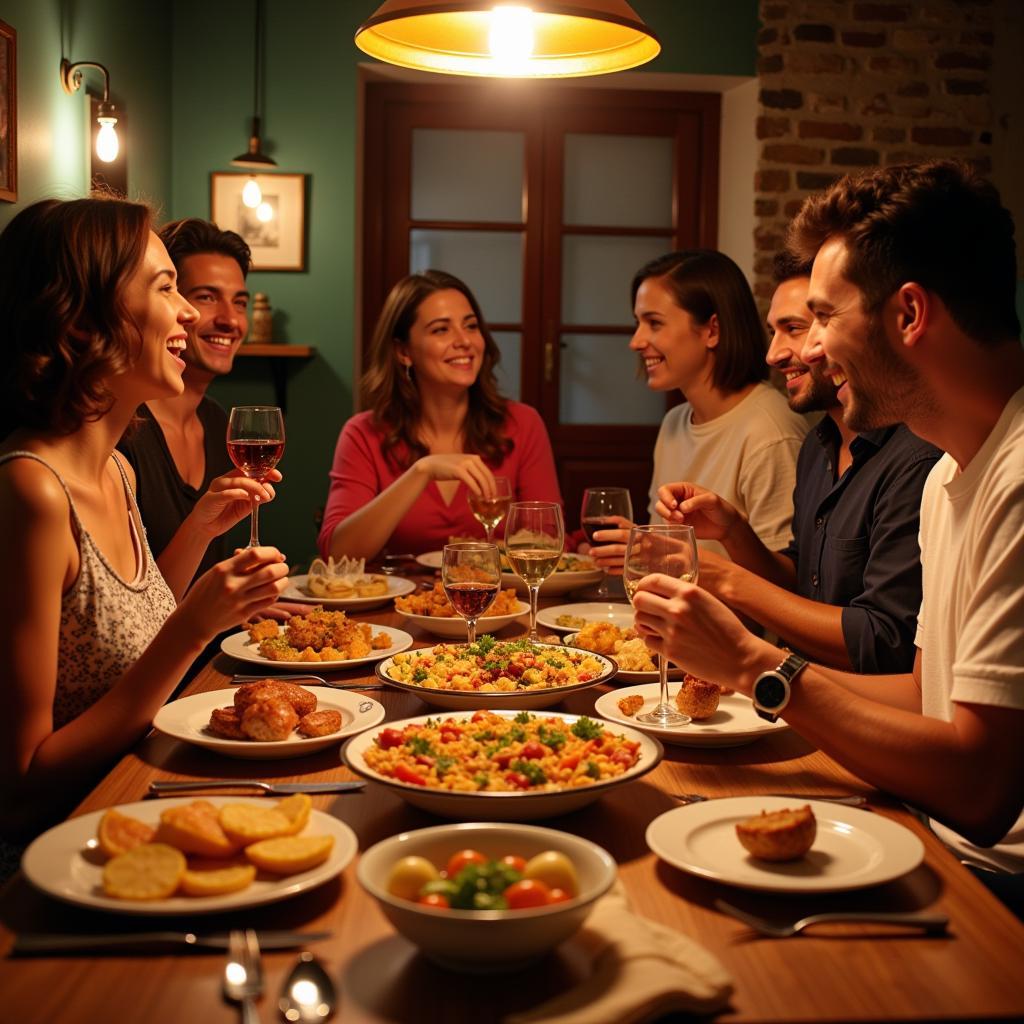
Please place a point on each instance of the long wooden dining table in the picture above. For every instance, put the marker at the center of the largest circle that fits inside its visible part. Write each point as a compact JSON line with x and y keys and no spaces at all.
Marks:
{"x":848,"y":972}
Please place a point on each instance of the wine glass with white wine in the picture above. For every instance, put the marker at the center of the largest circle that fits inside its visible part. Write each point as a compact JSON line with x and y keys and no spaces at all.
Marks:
{"x":534,"y":540}
{"x":670,"y":549}
{"x":488,"y":512}
{"x":471,"y":576}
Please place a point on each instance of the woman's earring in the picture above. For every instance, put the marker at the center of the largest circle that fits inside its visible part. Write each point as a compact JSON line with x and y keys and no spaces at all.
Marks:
{"x":408,"y":372}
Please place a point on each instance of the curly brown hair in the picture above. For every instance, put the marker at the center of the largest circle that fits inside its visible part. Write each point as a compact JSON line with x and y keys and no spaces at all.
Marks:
{"x":65,"y":327}
{"x":938,"y":223}
{"x":707,"y":283}
{"x":394,"y":397}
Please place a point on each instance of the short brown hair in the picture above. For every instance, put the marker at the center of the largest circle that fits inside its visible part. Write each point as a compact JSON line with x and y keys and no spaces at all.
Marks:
{"x":707,"y":283}
{"x":192,"y":236}
{"x":394,"y":397}
{"x":787,"y":265}
{"x":65,"y":327}
{"x":937,"y":223}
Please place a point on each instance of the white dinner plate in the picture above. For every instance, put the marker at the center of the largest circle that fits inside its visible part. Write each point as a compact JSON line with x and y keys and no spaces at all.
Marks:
{"x":520,"y":700}
{"x":625,"y":675}
{"x":852,"y":850}
{"x":67,"y":863}
{"x":187,"y":720}
{"x":431,"y":559}
{"x":238,"y":645}
{"x":296,"y":591}
{"x":454,"y":627}
{"x":478,"y":805}
{"x":734,"y":724}
{"x":556,"y":584}
{"x":620,"y":615}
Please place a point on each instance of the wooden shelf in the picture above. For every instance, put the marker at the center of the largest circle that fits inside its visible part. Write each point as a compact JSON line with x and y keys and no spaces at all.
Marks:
{"x":278,"y":369}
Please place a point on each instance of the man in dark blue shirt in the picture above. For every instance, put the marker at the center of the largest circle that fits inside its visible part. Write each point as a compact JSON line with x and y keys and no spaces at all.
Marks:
{"x":847,"y":589}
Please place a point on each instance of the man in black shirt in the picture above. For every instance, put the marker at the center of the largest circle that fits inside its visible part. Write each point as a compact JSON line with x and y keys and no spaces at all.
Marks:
{"x":178,"y":447}
{"x":847,"y":589}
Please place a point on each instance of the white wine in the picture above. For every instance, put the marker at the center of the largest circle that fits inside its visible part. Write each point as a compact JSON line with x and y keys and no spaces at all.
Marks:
{"x":489,"y":511}
{"x":533,"y":565}
{"x":631,"y":584}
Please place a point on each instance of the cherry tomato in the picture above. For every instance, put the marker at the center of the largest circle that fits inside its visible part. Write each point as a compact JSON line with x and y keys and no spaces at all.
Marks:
{"x":405,"y":774}
{"x":515,"y":862}
{"x":389,"y":738}
{"x":532,"y":750}
{"x":558,"y":896}
{"x":459,"y":860}
{"x":434,"y":899}
{"x":528,"y":893}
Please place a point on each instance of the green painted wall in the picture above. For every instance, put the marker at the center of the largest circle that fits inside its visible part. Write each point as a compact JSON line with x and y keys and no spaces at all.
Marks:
{"x":310,"y":126}
{"x":134,"y":41}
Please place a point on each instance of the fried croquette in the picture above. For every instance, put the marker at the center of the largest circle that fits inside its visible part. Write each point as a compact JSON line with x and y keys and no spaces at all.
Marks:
{"x":262,"y":630}
{"x":301,"y":699}
{"x":323,"y":636}
{"x":269,"y":720}
{"x":320,"y":723}
{"x":631,"y":705}
{"x":227,"y":722}
{"x":697,"y":698}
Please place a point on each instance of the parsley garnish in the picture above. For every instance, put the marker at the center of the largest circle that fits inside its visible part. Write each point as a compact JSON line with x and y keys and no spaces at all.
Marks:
{"x":523,"y":718}
{"x":531,"y":770}
{"x":587,"y":728}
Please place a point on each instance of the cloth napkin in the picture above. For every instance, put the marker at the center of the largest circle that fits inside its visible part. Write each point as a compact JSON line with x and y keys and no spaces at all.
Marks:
{"x":640,"y":970}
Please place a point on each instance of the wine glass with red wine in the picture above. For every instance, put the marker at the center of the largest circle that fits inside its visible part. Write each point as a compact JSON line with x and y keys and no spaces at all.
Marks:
{"x":599,"y":505}
{"x":471,"y":575}
{"x":255,"y":444}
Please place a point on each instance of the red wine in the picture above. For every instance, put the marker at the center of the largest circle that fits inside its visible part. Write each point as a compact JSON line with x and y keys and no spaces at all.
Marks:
{"x":471,"y":600}
{"x":256,"y":458}
{"x":592,"y":525}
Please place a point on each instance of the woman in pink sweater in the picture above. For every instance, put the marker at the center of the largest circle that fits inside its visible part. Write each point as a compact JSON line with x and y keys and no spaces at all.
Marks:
{"x":438,"y":429}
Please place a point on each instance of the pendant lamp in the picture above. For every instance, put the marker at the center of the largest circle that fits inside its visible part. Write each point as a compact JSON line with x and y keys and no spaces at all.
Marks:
{"x":528,"y":39}
{"x":255,"y":157}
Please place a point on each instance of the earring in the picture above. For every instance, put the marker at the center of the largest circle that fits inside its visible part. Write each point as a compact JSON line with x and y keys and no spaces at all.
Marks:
{"x":408,"y":372}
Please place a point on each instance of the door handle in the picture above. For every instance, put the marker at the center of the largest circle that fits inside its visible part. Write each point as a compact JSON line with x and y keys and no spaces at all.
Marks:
{"x":549,"y":361}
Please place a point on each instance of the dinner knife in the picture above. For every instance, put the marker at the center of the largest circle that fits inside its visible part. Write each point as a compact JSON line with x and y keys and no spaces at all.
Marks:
{"x":48,"y":944}
{"x":166,"y":787}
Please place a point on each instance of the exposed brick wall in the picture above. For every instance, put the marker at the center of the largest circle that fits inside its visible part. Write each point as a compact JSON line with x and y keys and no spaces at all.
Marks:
{"x":848,"y":85}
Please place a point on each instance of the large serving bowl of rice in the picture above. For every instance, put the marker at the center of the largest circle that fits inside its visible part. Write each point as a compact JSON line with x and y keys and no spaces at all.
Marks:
{"x":501,"y":765}
{"x":495,"y":673}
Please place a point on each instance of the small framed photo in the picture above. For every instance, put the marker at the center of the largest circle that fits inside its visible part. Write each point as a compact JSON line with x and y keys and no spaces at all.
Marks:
{"x":8,"y":113}
{"x":275,"y":228}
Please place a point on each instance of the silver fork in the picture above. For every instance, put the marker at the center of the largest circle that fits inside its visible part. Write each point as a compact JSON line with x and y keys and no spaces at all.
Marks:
{"x":847,"y":801}
{"x":933,"y":924}
{"x":243,"y":973}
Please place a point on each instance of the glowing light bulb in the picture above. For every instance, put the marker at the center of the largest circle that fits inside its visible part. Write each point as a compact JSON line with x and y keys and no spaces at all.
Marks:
{"x":107,"y":144}
{"x":511,"y":37}
{"x":264,"y":212}
{"x":252,"y":195}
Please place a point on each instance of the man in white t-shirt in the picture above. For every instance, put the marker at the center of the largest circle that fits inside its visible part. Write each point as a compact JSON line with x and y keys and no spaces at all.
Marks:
{"x":913,"y":298}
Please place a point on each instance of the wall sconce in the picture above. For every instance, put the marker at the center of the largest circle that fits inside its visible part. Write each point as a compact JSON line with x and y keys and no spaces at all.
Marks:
{"x":541,"y":39}
{"x":254,"y":157}
{"x":107,"y":143}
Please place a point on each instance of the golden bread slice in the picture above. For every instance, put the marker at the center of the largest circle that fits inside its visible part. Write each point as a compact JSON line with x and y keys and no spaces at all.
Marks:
{"x":212,"y":877}
{"x":118,"y":833}
{"x":195,"y":828}
{"x":249,"y":823}
{"x":296,"y":809}
{"x":290,"y":854}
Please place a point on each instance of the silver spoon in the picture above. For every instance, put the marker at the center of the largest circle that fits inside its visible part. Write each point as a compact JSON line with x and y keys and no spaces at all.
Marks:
{"x":308,"y":994}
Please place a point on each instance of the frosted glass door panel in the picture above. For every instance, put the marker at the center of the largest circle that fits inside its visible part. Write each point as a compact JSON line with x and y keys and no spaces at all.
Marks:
{"x":467,"y":175}
{"x":490,"y":262}
{"x":596,"y":274}
{"x":508,"y":371}
{"x":599,"y":383}
{"x":618,"y":181}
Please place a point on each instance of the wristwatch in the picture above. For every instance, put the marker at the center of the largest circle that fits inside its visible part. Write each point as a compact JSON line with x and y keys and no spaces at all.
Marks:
{"x":772,"y":688}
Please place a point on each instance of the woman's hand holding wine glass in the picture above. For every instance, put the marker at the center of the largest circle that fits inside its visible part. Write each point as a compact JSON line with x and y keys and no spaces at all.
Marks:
{"x":604,"y":508}
{"x":255,"y":445}
{"x":489,"y":510}
{"x":534,"y":541}
{"x":471,"y":575}
{"x":670,"y":549}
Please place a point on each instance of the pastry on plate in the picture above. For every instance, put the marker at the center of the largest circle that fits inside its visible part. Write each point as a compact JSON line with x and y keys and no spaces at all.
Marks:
{"x":697,"y":698}
{"x":778,"y":835}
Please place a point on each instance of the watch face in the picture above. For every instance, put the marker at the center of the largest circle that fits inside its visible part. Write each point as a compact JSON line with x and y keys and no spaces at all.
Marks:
{"x":771,"y":691}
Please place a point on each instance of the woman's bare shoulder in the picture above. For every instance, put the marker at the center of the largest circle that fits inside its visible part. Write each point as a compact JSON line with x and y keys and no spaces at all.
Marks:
{"x":27,"y":486}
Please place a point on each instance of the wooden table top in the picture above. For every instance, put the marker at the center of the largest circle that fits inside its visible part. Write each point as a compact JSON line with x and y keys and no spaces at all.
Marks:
{"x":851,"y":972}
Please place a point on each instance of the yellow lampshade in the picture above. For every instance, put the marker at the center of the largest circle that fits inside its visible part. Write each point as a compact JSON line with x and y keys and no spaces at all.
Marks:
{"x":509,"y":38}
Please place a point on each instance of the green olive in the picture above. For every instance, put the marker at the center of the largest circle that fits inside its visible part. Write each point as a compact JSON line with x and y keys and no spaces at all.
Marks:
{"x":555,"y":870}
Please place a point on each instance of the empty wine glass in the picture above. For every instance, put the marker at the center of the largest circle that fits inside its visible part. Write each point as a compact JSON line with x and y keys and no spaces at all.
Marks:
{"x":534,"y":539}
{"x":599,"y":505}
{"x":255,"y":445}
{"x":670,"y":549}
{"x":471,"y":575}
{"x":490,"y":511}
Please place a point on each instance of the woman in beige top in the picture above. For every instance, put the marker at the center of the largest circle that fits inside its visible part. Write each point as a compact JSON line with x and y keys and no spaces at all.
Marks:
{"x":92,"y":639}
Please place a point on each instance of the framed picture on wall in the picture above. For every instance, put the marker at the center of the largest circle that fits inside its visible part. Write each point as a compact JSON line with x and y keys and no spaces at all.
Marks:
{"x":275,"y":227}
{"x":8,"y":114}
